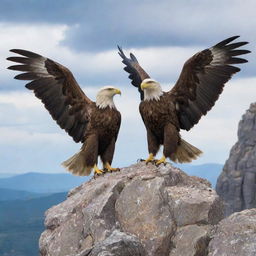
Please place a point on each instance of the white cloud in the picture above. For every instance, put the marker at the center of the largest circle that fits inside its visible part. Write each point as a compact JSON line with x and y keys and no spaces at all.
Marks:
{"x":38,"y":37}
{"x":20,"y":99}
{"x":31,"y":36}
{"x":162,"y":63}
{"x":46,"y":39}
{"x":19,"y":135}
{"x":203,"y":17}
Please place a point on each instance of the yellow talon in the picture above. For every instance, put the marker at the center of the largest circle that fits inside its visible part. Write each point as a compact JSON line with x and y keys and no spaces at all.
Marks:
{"x":161,"y":161}
{"x":150,"y":158}
{"x":108,"y":168}
{"x":97,"y":171}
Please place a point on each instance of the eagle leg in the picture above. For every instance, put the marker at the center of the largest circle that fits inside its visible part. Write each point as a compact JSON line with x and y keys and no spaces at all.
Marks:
{"x":97,"y":171}
{"x":150,"y":158}
{"x":108,"y":168}
{"x":161,"y":161}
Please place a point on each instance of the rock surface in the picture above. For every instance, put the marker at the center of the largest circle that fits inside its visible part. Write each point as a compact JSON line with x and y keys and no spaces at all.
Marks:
{"x":141,"y":210}
{"x":237,"y":183}
{"x":235,"y":235}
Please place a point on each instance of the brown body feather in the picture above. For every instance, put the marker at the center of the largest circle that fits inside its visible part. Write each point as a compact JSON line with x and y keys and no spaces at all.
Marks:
{"x":200,"y":83}
{"x":156,"y":118}
{"x":99,"y":140}
{"x":73,"y":111}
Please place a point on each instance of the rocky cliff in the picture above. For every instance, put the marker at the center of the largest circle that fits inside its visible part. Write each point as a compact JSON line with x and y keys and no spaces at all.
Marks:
{"x":237,"y":183}
{"x":143,"y":210}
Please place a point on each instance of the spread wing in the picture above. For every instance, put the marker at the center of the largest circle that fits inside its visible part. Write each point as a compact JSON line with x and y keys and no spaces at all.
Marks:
{"x":55,"y":85}
{"x":137,"y":73}
{"x":202,"y":80}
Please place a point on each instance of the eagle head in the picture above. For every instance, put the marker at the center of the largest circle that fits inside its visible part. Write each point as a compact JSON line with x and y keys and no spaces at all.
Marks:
{"x":105,"y":96}
{"x":152,"y":89}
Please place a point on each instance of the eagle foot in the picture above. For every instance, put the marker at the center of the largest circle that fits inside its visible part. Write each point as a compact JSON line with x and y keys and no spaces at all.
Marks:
{"x":108,"y":168}
{"x":97,"y":171}
{"x":161,"y":161}
{"x":146,"y":161}
{"x":150,"y":159}
{"x":111,"y":170}
{"x":151,"y":162}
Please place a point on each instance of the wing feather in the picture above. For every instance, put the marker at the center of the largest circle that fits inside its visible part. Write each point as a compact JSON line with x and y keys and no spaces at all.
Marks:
{"x":202,"y":80}
{"x":136,"y":73}
{"x":56,"y":87}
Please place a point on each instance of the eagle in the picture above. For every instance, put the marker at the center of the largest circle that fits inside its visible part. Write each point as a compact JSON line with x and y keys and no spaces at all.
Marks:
{"x":95,"y":124}
{"x":198,"y":87}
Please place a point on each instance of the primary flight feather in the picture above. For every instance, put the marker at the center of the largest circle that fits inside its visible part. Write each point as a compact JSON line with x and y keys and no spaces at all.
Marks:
{"x":198,"y":87}
{"x":95,"y":124}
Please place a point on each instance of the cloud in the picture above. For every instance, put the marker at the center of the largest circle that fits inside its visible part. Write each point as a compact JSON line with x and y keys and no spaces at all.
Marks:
{"x":19,"y":135}
{"x":94,"y":68}
{"x":25,"y":150}
{"x":40,"y":37}
{"x":161,"y":23}
{"x":98,"y":25}
{"x":98,"y":69}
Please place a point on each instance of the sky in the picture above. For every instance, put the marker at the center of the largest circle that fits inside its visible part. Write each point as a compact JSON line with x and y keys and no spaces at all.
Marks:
{"x":83,"y":35}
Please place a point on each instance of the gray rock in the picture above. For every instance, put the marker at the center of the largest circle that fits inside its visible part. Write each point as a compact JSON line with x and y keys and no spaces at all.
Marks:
{"x":118,"y":244}
{"x":235,"y":235}
{"x":194,"y":206}
{"x":141,"y":210}
{"x":191,"y":240}
{"x":145,"y":202}
{"x":237,"y":183}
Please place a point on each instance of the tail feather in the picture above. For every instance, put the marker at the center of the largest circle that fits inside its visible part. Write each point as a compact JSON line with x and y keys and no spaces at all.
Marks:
{"x":185,"y":153}
{"x":76,"y":164}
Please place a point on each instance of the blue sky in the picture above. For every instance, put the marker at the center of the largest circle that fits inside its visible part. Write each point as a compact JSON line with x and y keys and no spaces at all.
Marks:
{"x":83,"y":35}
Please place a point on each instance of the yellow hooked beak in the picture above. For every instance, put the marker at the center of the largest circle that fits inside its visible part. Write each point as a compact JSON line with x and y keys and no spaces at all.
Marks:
{"x":144,"y":85}
{"x":117,"y":91}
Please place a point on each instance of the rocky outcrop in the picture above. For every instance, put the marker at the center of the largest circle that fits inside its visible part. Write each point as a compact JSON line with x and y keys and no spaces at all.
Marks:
{"x":235,"y":235}
{"x":237,"y":183}
{"x":143,"y":210}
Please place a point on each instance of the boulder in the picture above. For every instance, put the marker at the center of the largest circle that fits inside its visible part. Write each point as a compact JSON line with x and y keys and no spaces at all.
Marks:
{"x":235,"y":235}
{"x":141,"y":210}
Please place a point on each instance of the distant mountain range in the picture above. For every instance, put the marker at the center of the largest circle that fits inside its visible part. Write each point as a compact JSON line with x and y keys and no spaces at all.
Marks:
{"x":42,"y":182}
{"x":7,"y":175}
{"x":54,"y":183}
{"x":21,"y":224}
{"x":24,"y":199}
{"x":11,"y":194}
{"x":209,"y":171}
